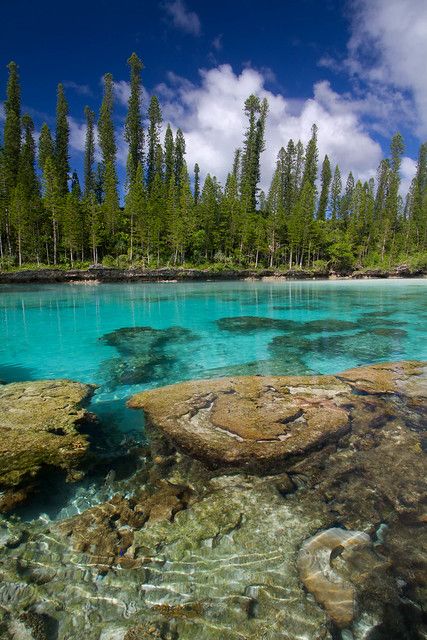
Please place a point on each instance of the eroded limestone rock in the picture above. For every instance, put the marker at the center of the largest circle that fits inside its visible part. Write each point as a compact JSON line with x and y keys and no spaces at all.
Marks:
{"x":39,"y":429}
{"x":408,"y":377}
{"x":249,"y":422}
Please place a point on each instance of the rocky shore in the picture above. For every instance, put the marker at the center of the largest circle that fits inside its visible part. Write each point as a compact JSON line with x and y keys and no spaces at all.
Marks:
{"x":98,"y":274}
{"x":278,"y":508}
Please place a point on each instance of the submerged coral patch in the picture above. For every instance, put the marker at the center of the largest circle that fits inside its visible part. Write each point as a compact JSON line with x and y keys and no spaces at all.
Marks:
{"x":146,"y":354}
{"x":248,"y":324}
{"x":363,"y":347}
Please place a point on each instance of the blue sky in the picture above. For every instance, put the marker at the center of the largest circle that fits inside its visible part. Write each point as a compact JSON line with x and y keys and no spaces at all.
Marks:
{"x":357,"y":68}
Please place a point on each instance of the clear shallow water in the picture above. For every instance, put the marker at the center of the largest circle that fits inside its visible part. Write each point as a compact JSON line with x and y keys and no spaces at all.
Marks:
{"x":219,"y":328}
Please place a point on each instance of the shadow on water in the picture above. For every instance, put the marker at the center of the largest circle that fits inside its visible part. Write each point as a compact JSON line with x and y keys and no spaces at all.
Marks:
{"x":15,"y":373}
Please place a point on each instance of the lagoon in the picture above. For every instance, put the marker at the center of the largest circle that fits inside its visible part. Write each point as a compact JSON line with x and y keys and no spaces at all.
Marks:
{"x":129,"y":337}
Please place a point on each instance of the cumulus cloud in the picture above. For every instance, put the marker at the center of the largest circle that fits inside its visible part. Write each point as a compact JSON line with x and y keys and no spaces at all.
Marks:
{"x":212,"y":118}
{"x":122,"y":91}
{"x":77,"y":134}
{"x":407,"y":172}
{"x":2,"y":112}
{"x":388,"y":49}
{"x":182,"y":18}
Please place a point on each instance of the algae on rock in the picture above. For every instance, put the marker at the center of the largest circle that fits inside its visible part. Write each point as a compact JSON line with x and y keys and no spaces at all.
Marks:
{"x":39,"y":430}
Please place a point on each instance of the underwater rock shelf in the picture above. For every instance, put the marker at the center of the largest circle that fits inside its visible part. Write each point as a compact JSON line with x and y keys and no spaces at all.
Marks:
{"x":270,"y":507}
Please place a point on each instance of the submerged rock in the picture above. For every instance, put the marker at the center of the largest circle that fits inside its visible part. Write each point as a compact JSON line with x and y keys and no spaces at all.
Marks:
{"x":249,"y":324}
{"x":316,"y":567}
{"x":39,"y":431}
{"x":146,"y":354}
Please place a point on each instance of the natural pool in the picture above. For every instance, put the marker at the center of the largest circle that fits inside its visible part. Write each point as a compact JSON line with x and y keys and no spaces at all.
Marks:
{"x":179,"y":551}
{"x":179,"y":331}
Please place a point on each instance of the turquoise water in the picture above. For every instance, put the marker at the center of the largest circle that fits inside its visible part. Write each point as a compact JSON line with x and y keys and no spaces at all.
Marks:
{"x":199,"y":330}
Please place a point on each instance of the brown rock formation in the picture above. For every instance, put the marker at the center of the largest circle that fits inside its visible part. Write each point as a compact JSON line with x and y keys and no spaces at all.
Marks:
{"x":39,"y":429}
{"x":249,"y":422}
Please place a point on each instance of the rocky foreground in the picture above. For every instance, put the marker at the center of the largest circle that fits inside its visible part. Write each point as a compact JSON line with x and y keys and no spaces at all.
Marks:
{"x":280,"y":508}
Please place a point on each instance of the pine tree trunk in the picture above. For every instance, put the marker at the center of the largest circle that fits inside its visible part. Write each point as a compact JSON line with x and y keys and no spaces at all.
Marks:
{"x":131,"y":238}
{"x":19,"y":250}
{"x":55,"y":241}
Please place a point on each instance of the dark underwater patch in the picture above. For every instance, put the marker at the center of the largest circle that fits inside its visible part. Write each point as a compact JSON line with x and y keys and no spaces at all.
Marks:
{"x":328,"y":325}
{"x":372,"y":323}
{"x":389,"y":331}
{"x":146,"y":354}
{"x":289,"y":366}
{"x":15,"y":373}
{"x":363,"y":347}
{"x":249,"y":324}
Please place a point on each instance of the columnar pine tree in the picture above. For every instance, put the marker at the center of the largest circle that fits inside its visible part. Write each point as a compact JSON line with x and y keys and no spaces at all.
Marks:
{"x":179,"y":154}
{"x":196,"y":184}
{"x":336,"y":190}
{"x":107,"y":144}
{"x":46,"y":146}
{"x":154,"y":128}
{"x":256,"y":112}
{"x":11,"y":150}
{"x":418,"y":213}
{"x":12,"y":129}
{"x":134,"y":134}
{"x":169,"y":156}
{"x":62,"y":136}
{"x":89,"y":157}
{"x":326,"y":178}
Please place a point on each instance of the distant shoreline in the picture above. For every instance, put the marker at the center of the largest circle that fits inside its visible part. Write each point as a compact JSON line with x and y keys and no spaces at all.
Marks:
{"x":97,"y":275}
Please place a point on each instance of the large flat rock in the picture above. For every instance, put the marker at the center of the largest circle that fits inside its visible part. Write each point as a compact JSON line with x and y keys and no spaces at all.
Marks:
{"x":39,"y":430}
{"x":249,"y":421}
{"x":263,"y":422}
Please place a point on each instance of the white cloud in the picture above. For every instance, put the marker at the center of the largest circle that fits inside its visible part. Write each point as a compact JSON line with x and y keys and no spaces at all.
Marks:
{"x":182,"y":18}
{"x":388,"y":49}
{"x":212,"y":118}
{"x":217,"y":42}
{"x":77,"y":134}
{"x":122,"y":91}
{"x":2,"y":112}
{"x":81,"y":89}
{"x":407,"y":172}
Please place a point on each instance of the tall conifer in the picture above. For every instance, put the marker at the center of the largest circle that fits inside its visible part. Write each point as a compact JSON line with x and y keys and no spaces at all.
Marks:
{"x":134,"y":134}
{"x":61,"y":141}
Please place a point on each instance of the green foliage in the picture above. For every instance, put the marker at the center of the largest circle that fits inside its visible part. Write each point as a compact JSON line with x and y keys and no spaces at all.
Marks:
{"x":89,"y":159}
{"x":165,"y":220}
{"x":61,"y":141}
{"x":134,"y":134}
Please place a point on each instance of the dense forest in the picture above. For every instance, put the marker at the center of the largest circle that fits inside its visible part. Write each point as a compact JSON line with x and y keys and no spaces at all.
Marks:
{"x":311,"y":217}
